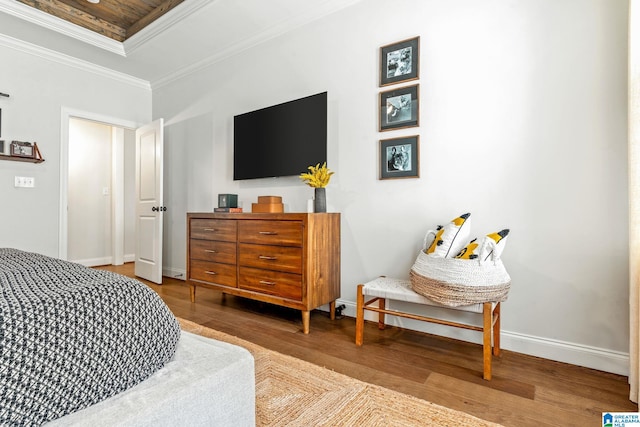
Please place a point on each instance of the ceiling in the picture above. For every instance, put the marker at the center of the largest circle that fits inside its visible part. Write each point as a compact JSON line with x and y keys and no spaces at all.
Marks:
{"x":161,"y":39}
{"x":115,"y":19}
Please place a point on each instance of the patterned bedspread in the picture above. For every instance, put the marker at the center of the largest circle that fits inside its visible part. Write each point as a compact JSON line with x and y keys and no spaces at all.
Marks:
{"x":71,"y":336}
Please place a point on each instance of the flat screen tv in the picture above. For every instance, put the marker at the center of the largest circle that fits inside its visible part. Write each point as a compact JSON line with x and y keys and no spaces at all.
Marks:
{"x":281,"y":140}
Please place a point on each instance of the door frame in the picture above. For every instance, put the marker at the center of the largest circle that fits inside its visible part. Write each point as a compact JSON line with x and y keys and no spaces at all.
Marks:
{"x":117,"y":179}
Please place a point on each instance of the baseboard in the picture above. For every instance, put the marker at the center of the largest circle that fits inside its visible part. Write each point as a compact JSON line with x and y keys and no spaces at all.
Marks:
{"x":560,"y":351}
{"x":94,"y":262}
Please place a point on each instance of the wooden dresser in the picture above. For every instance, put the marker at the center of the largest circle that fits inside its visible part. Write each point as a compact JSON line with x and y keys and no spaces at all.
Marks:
{"x":289,"y":259}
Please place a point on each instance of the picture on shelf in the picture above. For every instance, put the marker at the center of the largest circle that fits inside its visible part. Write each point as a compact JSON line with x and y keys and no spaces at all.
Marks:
{"x":399,"y":61}
{"x":22,"y":149}
{"x":399,"y":157}
{"x":399,"y":108}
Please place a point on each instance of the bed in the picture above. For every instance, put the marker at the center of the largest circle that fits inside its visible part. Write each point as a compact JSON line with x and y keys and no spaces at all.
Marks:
{"x":80,"y":346}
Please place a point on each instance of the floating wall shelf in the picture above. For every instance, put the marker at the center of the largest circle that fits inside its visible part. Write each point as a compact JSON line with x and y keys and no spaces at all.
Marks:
{"x":32,"y":150}
{"x":20,"y":159}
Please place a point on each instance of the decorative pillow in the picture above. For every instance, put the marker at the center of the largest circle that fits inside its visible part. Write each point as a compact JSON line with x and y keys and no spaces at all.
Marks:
{"x":471,"y":251}
{"x":491,"y":247}
{"x":448,"y":240}
{"x":494,"y":244}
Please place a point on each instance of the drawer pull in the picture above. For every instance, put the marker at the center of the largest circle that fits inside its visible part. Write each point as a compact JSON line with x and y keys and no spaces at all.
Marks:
{"x":210,"y":251}
{"x":209,"y":229}
{"x":270,"y":258}
{"x":211,"y":272}
{"x":264,"y":282}
{"x":268,"y":233}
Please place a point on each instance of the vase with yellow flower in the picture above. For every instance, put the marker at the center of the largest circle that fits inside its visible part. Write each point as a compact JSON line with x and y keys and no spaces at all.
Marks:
{"x":318,"y":178}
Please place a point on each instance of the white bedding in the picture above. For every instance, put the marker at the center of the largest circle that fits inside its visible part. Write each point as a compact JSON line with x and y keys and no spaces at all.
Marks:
{"x":207,"y":383}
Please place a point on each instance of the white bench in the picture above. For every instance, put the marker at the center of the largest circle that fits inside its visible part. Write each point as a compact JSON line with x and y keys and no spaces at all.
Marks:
{"x":384,"y":288}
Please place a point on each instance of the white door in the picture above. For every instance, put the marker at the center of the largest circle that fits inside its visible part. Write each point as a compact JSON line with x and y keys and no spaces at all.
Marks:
{"x":149,"y":201}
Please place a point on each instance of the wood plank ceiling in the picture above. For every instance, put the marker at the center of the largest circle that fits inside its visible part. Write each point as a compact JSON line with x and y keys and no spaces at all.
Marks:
{"x":116,"y":19}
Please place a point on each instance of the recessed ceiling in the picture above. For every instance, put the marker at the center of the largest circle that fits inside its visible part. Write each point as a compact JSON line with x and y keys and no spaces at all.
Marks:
{"x":115,"y":19}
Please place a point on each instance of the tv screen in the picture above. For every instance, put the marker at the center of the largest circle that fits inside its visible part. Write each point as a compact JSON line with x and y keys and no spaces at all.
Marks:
{"x":281,"y":140}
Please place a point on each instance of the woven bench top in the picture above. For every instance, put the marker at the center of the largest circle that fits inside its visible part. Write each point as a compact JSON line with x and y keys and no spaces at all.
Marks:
{"x":400,"y":290}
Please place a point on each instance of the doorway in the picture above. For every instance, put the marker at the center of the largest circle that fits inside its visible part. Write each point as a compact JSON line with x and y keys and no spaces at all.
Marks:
{"x":97,"y":189}
{"x":90,"y":206}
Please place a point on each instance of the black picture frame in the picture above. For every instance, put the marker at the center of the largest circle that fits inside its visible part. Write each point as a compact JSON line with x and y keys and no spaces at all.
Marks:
{"x":400,"y":157}
{"x":399,"y":108}
{"x":399,"y":62}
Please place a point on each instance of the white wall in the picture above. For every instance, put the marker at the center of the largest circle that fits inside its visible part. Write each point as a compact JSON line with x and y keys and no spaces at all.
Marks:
{"x":41,"y":84}
{"x":522,"y":123}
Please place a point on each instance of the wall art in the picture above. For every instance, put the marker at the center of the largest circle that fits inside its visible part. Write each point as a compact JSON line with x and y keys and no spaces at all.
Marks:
{"x":399,"y":108}
{"x":399,"y":61}
{"x":400,"y":157}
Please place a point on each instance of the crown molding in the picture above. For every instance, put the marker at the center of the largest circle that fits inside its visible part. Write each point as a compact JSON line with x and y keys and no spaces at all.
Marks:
{"x":61,"y":26}
{"x":161,"y":24}
{"x":63,"y":59}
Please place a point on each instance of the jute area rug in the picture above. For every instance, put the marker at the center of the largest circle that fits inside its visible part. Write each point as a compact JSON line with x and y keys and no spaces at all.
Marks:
{"x":293,"y":392}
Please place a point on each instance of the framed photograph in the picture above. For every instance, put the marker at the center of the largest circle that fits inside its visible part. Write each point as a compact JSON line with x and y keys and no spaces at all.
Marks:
{"x":399,"y":61}
{"x":399,"y":108}
{"x":400,"y":157}
{"x":23,"y":149}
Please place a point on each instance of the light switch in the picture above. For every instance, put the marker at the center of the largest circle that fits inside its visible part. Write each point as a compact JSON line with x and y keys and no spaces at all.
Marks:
{"x":105,"y":191}
{"x":25,"y":181}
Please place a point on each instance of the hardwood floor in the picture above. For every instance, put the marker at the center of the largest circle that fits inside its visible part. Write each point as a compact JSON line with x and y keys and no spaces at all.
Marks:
{"x":524,"y":391}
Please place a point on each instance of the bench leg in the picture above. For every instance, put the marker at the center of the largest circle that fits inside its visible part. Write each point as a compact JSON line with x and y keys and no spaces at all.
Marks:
{"x":496,"y":330}
{"x":382,"y":306}
{"x":359,"y":315}
{"x":487,"y":326}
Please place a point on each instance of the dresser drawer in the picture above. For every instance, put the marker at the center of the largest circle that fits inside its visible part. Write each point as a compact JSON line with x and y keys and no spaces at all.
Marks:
{"x":283,"y":285}
{"x":214,"y":251}
{"x":279,"y":258}
{"x":281,"y":233}
{"x":212,"y":272}
{"x":214,"y":229}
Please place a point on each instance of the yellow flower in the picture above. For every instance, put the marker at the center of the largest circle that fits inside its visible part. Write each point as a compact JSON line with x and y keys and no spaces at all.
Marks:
{"x":317,"y":177}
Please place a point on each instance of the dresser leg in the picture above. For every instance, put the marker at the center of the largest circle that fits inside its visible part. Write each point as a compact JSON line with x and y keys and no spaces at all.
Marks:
{"x":332,"y":310}
{"x":192,"y":292}
{"x":305,"y":321}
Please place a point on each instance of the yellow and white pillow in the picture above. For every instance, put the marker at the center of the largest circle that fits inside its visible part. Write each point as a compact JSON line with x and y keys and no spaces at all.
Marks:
{"x":491,"y":247}
{"x":471,"y":251}
{"x":448,"y":240}
{"x":494,"y":245}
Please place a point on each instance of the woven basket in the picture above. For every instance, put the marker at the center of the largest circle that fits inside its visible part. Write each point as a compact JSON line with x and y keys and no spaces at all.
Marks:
{"x":455,"y":282}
